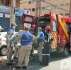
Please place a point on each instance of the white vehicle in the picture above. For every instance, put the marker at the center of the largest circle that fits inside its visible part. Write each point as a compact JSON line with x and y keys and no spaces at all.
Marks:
{"x":3,"y":43}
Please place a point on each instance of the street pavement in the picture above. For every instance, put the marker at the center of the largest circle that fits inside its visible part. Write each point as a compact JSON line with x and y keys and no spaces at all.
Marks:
{"x":61,"y":64}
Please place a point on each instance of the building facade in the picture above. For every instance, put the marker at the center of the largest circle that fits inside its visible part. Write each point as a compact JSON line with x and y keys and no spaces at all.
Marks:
{"x":40,"y":7}
{"x":8,"y":2}
{"x":45,"y":6}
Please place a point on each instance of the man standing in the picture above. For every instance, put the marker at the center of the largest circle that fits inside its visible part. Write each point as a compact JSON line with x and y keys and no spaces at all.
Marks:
{"x":41,"y":39}
{"x":26,"y":47}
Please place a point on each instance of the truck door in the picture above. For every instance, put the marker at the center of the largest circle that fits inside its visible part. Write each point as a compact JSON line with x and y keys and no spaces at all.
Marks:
{"x":69,"y":32}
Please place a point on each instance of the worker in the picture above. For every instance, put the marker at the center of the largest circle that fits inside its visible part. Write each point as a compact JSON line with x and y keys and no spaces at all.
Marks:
{"x":25,"y":48}
{"x":40,"y":38}
{"x":47,"y":46}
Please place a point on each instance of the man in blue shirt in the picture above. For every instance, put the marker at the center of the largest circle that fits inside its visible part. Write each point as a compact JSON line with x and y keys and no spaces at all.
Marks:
{"x":41,"y":39}
{"x":26,"y":47}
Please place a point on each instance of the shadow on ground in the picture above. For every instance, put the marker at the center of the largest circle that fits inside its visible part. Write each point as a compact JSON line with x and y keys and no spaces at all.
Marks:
{"x":34,"y":63}
{"x":56,"y":56}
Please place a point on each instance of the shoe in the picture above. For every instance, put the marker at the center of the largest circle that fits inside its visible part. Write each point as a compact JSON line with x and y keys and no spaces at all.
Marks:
{"x":25,"y":67}
{"x":17,"y":66}
{"x":9,"y":63}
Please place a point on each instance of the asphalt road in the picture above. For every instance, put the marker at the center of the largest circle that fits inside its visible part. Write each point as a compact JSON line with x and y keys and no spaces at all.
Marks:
{"x":61,"y":64}
{"x":33,"y":65}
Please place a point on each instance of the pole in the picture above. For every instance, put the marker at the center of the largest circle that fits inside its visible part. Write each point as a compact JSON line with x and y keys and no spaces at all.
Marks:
{"x":12,"y":12}
{"x":70,"y":9}
{"x":38,"y":8}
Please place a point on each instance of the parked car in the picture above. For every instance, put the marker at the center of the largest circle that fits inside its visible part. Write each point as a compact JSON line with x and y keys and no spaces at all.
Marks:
{"x":3,"y":43}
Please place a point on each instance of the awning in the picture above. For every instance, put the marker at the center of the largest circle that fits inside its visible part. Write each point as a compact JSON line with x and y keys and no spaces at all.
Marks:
{"x":4,"y":9}
{"x":20,"y":12}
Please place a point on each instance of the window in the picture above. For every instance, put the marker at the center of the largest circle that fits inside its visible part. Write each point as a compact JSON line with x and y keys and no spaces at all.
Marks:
{"x":43,"y":21}
{"x":67,"y":14}
{"x":29,"y":2}
{"x":54,"y":26}
{"x":1,"y":14}
{"x":43,"y":8}
{"x":7,"y":15}
{"x":6,"y":2}
{"x":61,"y":4}
{"x":33,"y":9}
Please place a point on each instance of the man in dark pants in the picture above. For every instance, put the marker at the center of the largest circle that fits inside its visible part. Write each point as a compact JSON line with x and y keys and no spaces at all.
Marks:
{"x":41,"y":39}
{"x":47,"y":47}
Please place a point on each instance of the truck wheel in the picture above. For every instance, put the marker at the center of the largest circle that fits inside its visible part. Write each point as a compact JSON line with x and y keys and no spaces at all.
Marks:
{"x":4,"y":51}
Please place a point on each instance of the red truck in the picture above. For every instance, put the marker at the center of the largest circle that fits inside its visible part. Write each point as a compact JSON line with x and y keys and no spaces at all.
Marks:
{"x":60,"y":27}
